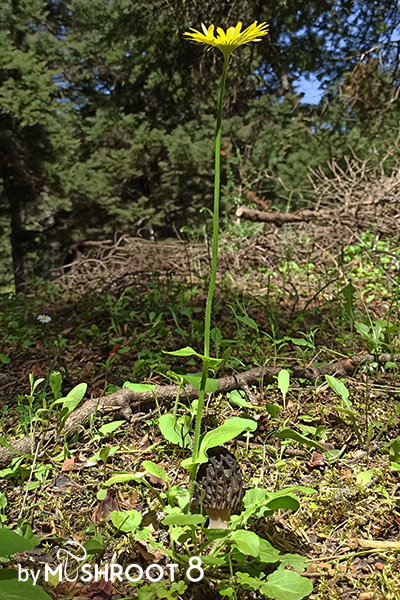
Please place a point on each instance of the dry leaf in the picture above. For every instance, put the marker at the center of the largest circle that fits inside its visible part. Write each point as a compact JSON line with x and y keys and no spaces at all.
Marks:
{"x":75,"y":463}
{"x":145,"y":442}
{"x":100,"y":590}
{"x":114,"y":351}
{"x":106,"y":506}
{"x":148,"y":553}
{"x":317,"y":460}
{"x":133,"y":500}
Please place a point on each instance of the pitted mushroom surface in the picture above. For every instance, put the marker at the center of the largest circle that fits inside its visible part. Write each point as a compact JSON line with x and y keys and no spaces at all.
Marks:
{"x":219,"y":486}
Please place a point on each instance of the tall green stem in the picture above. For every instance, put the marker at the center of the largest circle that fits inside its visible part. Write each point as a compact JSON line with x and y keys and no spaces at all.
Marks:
{"x":207,"y":328}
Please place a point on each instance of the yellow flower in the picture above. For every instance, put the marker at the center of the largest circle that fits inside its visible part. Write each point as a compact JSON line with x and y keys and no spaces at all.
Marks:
{"x":229,"y":40}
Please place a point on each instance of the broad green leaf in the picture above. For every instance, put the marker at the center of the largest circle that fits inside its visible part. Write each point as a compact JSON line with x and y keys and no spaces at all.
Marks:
{"x":301,"y":489}
{"x":250,"y":544}
{"x":127,"y":520}
{"x":272,"y":409}
{"x":248,"y":582}
{"x":5,"y":359}
{"x":338,"y":387}
{"x":233,"y":427}
{"x":124,"y":477}
{"x":109,"y":427}
{"x":287,"y":502}
{"x":111,"y":450}
{"x":290,"y":434}
{"x":12,"y":589}
{"x":299,"y":341}
{"x":195,"y":380}
{"x":284,"y":382}
{"x":11,"y":542}
{"x":3,"y":442}
{"x":155,"y":470}
{"x":55,"y":383}
{"x":248,"y":321}
{"x":179,"y":495}
{"x":349,"y":292}
{"x":139,"y":387}
{"x":362,"y":329}
{"x":297,"y":562}
{"x":238,"y":397}
{"x":93,"y":547}
{"x":175,"y":516}
{"x":187,"y":351}
{"x":71,"y":401}
{"x":364,"y":477}
{"x":255,"y":497}
{"x":175,"y":430}
{"x":284,"y":584}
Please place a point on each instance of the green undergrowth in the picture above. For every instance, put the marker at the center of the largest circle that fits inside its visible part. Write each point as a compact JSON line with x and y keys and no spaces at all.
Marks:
{"x":320,"y":457}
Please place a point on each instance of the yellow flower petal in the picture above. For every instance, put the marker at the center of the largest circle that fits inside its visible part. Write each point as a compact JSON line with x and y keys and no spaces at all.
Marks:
{"x":228,"y":40}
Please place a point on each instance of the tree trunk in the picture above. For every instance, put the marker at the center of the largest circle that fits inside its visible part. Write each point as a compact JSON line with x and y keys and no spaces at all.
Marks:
{"x":17,"y":192}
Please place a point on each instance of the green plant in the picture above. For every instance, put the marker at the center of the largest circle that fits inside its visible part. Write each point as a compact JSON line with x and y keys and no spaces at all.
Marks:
{"x":347,"y":407}
{"x":242,"y":557}
{"x":12,"y":588}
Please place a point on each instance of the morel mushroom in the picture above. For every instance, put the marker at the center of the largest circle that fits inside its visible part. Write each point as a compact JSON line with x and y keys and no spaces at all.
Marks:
{"x":219,"y":486}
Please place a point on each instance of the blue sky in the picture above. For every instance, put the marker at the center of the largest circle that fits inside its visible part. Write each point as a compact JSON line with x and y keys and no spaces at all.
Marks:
{"x":309,"y":87}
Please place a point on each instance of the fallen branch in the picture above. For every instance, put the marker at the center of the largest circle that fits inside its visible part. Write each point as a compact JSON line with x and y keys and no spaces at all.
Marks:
{"x":278,"y":218}
{"x":126,"y":403}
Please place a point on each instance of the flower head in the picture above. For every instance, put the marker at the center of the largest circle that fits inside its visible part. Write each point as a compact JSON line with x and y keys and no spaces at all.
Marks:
{"x":230,"y":39}
{"x":44,"y":318}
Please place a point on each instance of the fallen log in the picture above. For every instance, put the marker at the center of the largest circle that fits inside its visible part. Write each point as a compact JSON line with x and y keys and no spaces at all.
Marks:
{"x":278,"y":218}
{"x":126,"y":403}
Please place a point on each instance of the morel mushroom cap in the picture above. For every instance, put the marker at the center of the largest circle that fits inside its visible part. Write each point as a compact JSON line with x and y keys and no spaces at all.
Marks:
{"x":219,"y":487}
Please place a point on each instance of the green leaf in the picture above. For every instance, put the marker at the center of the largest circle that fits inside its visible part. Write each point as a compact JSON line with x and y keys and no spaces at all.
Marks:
{"x":12,"y":589}
{"x":5,"y":444}
{"x":124,"y":477}
{"x":284,"y":382}
{"x":248,"y":321}
{"x":338,"y":387}
{"x":232,"y":427}
{"x":179,"y":495}
{"x":362,"y":329}
{"x":4,"y":358}
{"x":255,"y":497}
{"x":287,"y":502}
{"x":283,"y":584}
{"x":11,"y":542}
{"x":71,"y":401}
{"x":104,"y":454}
{"x":175,"y":430}
{"x":248,"y":582}
{"x":140,"y":387}
{"x":187,"y":351}
{"x":109,"y":427}
{"x":93,"y":547}
{"x":349,"y":292}
{"x":364,"y":477}
{"x":176,"y":516}
{"x":297,"y":562}
{"x":272,"y":409}
{"x":238,"y":397}
{"x":128,"y":520}
{"x":250,"y":544}
{"x":55,"y":383}
{"x":155,"y":470}
{"x":290,"y":434}
{"x":195,"y":380}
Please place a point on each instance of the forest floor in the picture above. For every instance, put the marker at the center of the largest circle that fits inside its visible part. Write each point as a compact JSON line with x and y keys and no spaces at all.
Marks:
{"x":303,"y":315}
